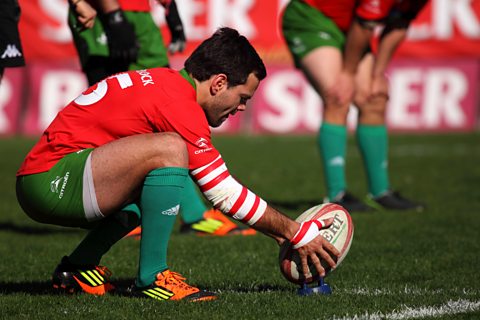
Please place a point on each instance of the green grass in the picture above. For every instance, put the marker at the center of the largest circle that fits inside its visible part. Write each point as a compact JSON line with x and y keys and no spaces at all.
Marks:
{"x":398,"y":260}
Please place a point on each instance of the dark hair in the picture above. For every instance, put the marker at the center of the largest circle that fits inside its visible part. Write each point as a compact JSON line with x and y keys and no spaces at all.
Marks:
{"x":228,"y":52}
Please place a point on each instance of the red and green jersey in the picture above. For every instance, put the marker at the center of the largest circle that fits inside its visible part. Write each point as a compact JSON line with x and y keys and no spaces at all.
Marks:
{"x":142,"y":102}
{"x":343,"y":11}
{"x":129,"y":5}
{"x":126,"y":104}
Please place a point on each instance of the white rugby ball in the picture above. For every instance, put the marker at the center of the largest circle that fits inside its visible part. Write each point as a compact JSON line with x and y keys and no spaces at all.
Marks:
{"x":340,"y":234}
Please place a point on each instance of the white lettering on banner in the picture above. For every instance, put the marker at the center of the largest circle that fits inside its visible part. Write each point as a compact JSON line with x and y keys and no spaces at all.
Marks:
{"x":460,"y":11}
{"x":5,"y":96}
{"x":403,"y":96}
{"x":286,"y":104}
{"x":233,"y":14}
{"x":443,"y":90}
{"x":58,"y":31}
{"x":217,"y":13}
{"x":57,"y":88}
{"x":446,"y":14}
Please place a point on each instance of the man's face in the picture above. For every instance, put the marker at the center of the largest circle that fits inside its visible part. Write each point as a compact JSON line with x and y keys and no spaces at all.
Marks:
{"x":227,"y":101}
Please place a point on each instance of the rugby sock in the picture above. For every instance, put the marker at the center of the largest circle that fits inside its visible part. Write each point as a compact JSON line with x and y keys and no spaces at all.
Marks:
{"x":101,"y":238}
{"x":192,"y":206}
{"x":373,"y":145}
{"x":160,"y":203}
{"x":332,"y":142}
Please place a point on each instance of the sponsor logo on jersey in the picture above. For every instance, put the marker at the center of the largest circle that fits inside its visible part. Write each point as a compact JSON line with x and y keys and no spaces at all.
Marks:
{"x":146,"y":77}
{"x":11,"y":52}
{"x":173,"y":211}
{"x":202,"y":143}
{"x":55,"y":184}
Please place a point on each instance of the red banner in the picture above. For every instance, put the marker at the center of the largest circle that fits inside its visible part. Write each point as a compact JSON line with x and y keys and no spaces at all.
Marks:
{"x":436,"y":92}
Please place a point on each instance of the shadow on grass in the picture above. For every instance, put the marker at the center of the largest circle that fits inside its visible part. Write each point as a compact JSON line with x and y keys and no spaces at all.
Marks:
{"x":8,"y":226}
{"x":31,"y":288}
{"x":34,"y":288}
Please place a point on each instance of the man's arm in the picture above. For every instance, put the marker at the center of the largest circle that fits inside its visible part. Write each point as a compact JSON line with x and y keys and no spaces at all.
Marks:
{"x":84,"y":14}
{"x":175,"y":25}
{"x":121,"y":37}
{"x":235,"y":200}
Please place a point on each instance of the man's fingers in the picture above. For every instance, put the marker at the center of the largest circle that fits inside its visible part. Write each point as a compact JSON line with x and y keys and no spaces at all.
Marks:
{"x":305,"y":268}
{"x":331,"y":248}
{"x":326,"y":223}
{"x":318,"y":265}
{"x":328,"y":258}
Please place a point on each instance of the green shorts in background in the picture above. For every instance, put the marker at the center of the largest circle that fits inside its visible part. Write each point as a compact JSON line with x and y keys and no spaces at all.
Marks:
{"x":93,"y":42}
{"x":305,"y":28}
{"x":56,"y":196}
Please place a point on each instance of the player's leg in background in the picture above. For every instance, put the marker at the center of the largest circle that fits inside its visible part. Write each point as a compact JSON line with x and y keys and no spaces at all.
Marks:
{"x":371,"y":131}
{"x":321,"y":60}
{"x":322,"y":68}
{"x":371,"y":98}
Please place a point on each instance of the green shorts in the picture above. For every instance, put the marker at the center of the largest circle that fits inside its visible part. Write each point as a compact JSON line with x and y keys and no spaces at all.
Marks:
{"x":92,"y":42}
{"x":58,"y":195}
{"x":305,"y":29}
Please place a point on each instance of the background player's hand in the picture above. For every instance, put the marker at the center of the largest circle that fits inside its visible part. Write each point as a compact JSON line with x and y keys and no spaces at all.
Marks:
{"x":379,"y":87}
{"x":319,"y":248}
{"x":122,"y":41}
{"x":178,"y":40}
{"x":84,"y":13}
{"x":344,"y":88}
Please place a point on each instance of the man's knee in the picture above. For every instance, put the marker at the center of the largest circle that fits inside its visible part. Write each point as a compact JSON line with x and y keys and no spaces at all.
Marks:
{"x":170,"y":150}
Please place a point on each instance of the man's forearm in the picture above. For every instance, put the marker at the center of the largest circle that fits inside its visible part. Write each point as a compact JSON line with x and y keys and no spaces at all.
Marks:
{"x":389,"y":42}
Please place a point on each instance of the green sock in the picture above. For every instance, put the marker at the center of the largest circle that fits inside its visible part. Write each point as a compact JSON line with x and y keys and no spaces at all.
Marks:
{"x":192,"y":206}
{"x":373,"y":144}
{"x":160,"y":203}
{"x":332,"y":142}
{"x":102,"y":237}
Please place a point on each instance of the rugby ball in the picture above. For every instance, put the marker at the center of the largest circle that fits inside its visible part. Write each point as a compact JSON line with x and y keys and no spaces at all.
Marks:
{"x":340,"y":234}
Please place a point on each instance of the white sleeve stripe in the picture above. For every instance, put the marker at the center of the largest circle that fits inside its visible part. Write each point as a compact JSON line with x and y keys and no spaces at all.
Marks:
{"x":246,"y":206}
{"x":198,"y":170}
{"x":212,"y":175}
{"x":258,"y":213}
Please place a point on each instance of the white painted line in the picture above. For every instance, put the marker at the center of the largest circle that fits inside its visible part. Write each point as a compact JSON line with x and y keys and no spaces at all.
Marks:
{"x":449,"y":308}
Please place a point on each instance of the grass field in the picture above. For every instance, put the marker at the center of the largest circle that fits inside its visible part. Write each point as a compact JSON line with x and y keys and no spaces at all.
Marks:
{"x":402,"y":265}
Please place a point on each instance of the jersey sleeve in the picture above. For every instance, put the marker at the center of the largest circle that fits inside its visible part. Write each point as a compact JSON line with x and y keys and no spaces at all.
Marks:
{"x":368,"y":11}
{"x":227,"y":194}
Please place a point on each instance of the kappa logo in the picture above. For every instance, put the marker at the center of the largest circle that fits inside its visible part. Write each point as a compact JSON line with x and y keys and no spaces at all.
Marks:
{"x":173,"y":211}
{"x":11,"y":52}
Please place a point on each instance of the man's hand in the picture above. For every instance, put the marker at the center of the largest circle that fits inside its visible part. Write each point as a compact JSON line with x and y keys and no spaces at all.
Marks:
{"x":316,"y":248}
{"x":379,"y":87}
{"x":344,"y":89}
{"x":84,"y":13}
{"x":177,"y":42}
{"x":122,"y":41}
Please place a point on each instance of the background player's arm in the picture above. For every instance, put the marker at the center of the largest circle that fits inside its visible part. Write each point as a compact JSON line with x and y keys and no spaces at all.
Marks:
{"x":84,"y":13}
{"x":121,"y":37}
{"x":175,"y":25}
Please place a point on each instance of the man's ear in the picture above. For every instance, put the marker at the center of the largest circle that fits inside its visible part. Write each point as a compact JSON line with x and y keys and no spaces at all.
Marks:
{"x":218,"y":83}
